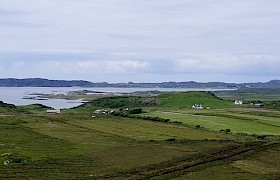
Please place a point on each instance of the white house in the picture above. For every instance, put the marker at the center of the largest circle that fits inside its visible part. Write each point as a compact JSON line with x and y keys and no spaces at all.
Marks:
{"x":197,"y":106}
{"x":53,"y":111}
{"x":101,"y":111}
{"x":238,"y":102}
{"x":98,"y":111}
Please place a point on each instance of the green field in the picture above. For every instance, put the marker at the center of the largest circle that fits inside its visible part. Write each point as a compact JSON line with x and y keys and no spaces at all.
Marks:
{"x":235,"y":120}
{"x":188,"y":99}
{"x":251,"y":94}
{"x":79,"y":144}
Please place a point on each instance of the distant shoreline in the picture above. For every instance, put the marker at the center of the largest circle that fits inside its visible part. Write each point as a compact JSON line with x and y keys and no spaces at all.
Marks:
{"x":38,"y":82}
{"x":52,"y":96}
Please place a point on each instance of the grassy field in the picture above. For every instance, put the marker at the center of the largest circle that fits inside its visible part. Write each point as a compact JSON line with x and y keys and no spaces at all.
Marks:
{"x":188,"y":99}
{"x":76,"y":146}
{"x":249,"y":94}
{"x":71,"y":146}
{"x":79,"y":144}
{"x":238,"y":121}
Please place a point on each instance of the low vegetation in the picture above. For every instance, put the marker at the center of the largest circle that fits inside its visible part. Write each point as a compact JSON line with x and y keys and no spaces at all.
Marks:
{"x":188,"y":99}
{"x":157,"y":137}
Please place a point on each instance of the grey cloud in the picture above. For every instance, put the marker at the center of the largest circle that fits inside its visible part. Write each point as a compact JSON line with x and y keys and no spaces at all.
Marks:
{"x":172,"y":37}
{"x":265,"y":65}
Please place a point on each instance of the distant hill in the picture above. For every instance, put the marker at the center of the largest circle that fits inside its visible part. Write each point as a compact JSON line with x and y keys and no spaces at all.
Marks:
{"x":38,"y":82}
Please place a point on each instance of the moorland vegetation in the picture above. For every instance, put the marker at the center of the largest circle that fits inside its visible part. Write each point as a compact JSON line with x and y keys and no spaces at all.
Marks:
{"x":143,"y":137}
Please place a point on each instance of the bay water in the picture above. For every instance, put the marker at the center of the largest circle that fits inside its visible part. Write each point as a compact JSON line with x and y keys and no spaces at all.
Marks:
{"x":15,"y":95}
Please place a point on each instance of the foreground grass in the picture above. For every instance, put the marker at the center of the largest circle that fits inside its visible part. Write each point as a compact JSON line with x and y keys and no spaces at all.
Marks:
{"x":77,"y":146}
{"x":71,"y":146}
{"x":261,"y":165}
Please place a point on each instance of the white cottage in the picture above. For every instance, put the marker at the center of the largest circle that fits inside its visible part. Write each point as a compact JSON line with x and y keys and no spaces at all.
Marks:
{"x":238,"y":102}
{"x":197,"y":106}
{"x":53,"y":111}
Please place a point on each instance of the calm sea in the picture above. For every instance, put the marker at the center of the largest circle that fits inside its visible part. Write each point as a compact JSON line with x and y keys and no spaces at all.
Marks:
{"x":14,"y":95}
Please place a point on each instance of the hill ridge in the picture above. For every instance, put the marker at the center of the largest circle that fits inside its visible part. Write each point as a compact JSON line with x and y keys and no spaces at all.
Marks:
{"x":41,"y":82}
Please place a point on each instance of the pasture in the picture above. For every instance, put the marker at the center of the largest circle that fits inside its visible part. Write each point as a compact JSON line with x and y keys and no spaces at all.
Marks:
{"x":79,"y":144}
{"x":73,"y":146}
{"x":237,"y":120}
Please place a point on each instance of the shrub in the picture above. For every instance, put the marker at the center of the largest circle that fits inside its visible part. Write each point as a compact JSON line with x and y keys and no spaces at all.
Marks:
{"x":261,"y":136}
{"x":227,"y":130}
{"x":135,"y":111}
{"x":165,"y":120}
{"x":17,"y":159}
{"x":2,"y":104}
{"x":150,"y":101}
{"x":177,"y":122}
{"x":116,"y":113}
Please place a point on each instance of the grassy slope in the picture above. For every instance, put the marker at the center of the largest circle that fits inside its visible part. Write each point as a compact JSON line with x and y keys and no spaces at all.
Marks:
{"x":261,"y":165}
{"x":173,"y":100}
{"x":187,"y":99}
{"x":74,"y":145}
{"x":71,"y":146}
{"x":54,"y":146}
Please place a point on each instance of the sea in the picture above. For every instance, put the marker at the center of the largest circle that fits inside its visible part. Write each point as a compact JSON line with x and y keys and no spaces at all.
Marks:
{"x":17,"y":95}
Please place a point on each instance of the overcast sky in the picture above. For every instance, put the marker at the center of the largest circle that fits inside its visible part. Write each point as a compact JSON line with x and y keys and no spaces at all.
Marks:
{"x":141,"y":40}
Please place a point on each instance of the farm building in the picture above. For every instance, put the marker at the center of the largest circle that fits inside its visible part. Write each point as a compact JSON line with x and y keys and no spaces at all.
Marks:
{"x":101,"y":111}
{"x":238,"y":102}
{"x":197,"y":106}
{"x":53,"y":111}
{"x":259,"y":105}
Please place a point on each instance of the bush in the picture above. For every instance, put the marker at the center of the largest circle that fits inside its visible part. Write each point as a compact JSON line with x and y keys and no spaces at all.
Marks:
{"x":14,"y":158}
{"x":116,"y":113}
{"x":129,"y":115}
{"x":227,"y":130}
{"x":177,"y":122}
{"x":2,"y":104}
{"x":135,"y":111}
{"x":165,"y":120}
{"x":261,"y":136}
